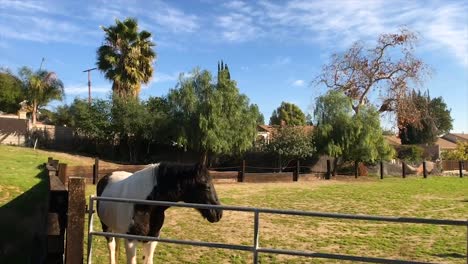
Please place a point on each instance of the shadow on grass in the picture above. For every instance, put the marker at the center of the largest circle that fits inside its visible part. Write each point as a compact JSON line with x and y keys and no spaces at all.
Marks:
{"x":450,"y":255}
{"x":23,"y":225}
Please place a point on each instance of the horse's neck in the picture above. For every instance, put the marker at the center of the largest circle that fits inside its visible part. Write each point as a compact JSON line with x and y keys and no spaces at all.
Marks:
{"x":140,"y":184}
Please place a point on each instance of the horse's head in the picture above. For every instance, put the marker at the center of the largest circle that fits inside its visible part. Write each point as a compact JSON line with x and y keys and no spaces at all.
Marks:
{"x":203,"y":192}
{"x":190,"y":184}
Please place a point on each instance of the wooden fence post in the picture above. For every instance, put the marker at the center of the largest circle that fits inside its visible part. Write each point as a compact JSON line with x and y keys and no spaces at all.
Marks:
{"x":62,"y":173}
{"x":356,"y":164}
{"x":75,"y":224}
{"x":424,"y":170}
{"x":328,"y":175}
{"x":381,"y":170}
{"x":95,"y":170}
{"x":296,"y":171}
{"x":403,"y":170}
{"x":460,"y":167}
{"x":241,"y":175}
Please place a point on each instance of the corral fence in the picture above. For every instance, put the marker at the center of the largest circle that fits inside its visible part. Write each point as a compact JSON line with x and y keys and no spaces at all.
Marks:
{"x":255,"y":248}
{"x":248,"y":173}
{"x":65,"y":215}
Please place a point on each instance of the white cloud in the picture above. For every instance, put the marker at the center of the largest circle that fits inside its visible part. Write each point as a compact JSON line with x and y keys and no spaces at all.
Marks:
{"x":298,"y":83}
{"x":32,"y":6}
{"x":237,"y":27}
{"x":160,"y":77}
{"x":77,"y":89}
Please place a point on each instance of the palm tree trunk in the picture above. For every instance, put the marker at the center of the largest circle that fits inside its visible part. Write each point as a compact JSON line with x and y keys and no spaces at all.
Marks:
{"x":34,"y":112}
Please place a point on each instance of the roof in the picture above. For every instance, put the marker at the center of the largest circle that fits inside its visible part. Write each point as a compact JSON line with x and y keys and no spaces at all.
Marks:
{"x":393,"y":140}
{"x":444,"y":144}
{"x":462,"y":136}
{"x":13,"y":126}
{"x":271,"y":129}
{"x":265,"y":128}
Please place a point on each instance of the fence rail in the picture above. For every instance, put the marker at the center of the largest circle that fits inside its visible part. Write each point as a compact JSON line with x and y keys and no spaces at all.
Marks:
{"x":255,"y":249}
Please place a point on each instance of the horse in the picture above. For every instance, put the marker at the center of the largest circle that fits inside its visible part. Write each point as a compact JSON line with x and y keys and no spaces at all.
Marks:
{"x":171,"y":182}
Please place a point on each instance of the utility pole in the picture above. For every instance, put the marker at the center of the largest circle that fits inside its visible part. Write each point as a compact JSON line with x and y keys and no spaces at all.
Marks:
{"x":89,"y":83}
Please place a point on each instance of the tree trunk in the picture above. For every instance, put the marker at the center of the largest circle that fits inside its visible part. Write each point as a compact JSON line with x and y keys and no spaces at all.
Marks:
{"x":34,"y":112}
{"x":204,"y":158}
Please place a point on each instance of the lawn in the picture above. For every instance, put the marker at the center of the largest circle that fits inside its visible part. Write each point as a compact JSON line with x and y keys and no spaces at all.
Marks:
{"x":23,"y":199}
{"x":435,"y":197}
{"x":22,"y":189}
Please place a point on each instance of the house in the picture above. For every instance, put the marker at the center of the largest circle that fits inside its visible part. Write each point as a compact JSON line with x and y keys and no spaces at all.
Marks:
{"x":13,"y":129}
{"x":456,"y":137}
{"x":265,"y":132}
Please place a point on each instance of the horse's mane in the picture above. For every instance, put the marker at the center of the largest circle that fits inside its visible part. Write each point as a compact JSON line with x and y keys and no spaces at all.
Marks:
{"x":172,"y":176}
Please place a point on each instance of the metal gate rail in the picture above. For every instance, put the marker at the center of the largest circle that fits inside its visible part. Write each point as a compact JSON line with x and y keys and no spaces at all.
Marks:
{"x":255,"y":249}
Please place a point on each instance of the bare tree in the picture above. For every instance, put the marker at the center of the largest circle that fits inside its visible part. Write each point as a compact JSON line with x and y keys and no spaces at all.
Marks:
{"x":390,"y":68}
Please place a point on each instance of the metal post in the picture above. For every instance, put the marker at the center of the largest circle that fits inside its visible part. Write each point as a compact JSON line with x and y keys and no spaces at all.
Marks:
{"x":90,"y":227}
{"x":381,"y":170}
{"x":460,"y":166}
{"x":256,"y":234}
{"x":356,"y":164}
{"x":327,"y":176}
{"x":403,"y":170}
{"x":296,"y":171}
{"x":424,"y":170}
{"x":95,"y":170}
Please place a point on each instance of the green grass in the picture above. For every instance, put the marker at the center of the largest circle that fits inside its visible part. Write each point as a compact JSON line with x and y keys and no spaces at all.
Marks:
{"x":435,"y":197}
{"x":23,"y":189}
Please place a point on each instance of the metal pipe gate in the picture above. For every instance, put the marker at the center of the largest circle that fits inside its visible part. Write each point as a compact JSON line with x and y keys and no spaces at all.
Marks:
{"x":255,"y":248}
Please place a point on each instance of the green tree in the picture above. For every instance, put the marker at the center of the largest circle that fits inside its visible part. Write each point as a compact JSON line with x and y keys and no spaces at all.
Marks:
{"x":41,"y":87}
{"x":434,"y":120}
{"x":212,"y":118}
{"x":341,"y":134}
{"x":126,"y":57}
{"x":291,"y":143}
{"x":11,"y":93}
{"x":460,"y":153}
{"x":91,"y":121}
{"x":290,"y":113}
{"x":131,"y":122}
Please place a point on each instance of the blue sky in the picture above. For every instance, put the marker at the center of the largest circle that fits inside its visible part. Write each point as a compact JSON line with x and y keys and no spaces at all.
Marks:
{"x":274,"y":49}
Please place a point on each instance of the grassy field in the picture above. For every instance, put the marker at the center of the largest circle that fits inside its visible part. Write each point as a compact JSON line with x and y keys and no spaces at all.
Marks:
{"x":22,"y":188}
{"x":436,"y":197}
{"x":23,"y":198}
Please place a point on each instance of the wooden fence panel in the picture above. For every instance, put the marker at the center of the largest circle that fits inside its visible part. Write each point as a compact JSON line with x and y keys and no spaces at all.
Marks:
{"x":268,"y":177}
{"x":451,"y":164}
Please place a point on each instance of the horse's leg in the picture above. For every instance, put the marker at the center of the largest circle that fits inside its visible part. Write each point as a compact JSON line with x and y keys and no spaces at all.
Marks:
{"x":111,"y":246}
{"x":148,"y":250}
{"x":130,"y":249}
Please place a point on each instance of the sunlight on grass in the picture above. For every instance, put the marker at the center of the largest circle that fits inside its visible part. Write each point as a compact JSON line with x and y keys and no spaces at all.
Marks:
{"x":435,"y":197}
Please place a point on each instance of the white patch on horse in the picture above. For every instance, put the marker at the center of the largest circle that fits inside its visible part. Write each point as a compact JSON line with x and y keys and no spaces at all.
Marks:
{"x":119,"y":216}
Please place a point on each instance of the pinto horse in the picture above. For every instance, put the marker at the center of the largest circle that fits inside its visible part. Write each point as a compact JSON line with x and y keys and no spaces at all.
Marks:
{"x":163,"y":182}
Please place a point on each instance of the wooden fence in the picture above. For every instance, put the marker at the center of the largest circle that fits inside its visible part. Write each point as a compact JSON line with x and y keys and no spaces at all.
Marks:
{"x":453,"y":164}
{"x":65,"y":218}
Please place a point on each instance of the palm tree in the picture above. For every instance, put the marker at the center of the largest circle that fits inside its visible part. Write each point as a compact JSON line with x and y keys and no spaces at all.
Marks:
{"x":126,"y":57}
{"x":40,"y":88}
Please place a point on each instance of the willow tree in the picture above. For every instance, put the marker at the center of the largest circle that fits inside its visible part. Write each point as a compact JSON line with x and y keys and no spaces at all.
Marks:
{"x":388,"y":70}
{"x":40,"y":87}
{"x":340,"y":133}
{"x":126,"y":57}
{"x":212,"y":117}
